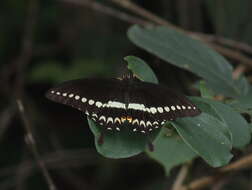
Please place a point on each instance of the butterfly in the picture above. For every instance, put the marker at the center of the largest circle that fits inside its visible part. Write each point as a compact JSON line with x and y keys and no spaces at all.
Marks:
{"x":118,"y":102}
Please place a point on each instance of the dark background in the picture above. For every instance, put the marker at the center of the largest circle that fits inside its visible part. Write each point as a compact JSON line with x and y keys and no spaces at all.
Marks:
{"x":46,"y":42}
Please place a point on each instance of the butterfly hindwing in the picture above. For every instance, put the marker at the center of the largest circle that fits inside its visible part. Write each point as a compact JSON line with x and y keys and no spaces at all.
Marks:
{"x":152,"y":105}
{"x":165,"y":103}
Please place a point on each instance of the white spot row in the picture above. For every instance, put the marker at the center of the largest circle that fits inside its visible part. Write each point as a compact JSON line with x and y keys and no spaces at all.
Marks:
{"x":133,"y":106}
{"x":134,"y":130}
{"x":103,"y":120}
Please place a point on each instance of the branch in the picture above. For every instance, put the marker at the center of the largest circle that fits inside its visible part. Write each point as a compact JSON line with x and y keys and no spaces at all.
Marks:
{"x":67,"y":174}
{"x":238,"y":71}
{"x":243,"y":163}
{"x":143,"y":12}
{"x":6,"y":117}
{"x":20,"y":177}
{"x":109,"y":11}
{"x":56,"y":160}
{"x":181,"y":177}
{"x":209,"y":39}
{"x":232,"y":54}
{"x":62,"y":159}
{"x":230,"y":43}
{"x":20,"y":62}
{"x":24,"y":58}
{"x":32,"y":144}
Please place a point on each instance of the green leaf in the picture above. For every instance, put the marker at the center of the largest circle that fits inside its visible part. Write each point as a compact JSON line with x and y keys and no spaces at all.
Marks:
{"x":250,"y":127}
{"x":121,"y":144}
{"x":236,"y":123}
{"x":192,"y":55}
{"x":204,"y":91}
{"x":205,"y":107}
{"x":171,"y":151}
{"x":206,"y":135}
{"x":141,"y":69}
{"x":243,"y":103}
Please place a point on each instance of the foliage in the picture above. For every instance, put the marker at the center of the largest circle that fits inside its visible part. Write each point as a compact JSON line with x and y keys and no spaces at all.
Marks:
{"x":213,"y":133}
{"x":120,"y":145}
{"x":46,"y":42}
{"x":192,"y":55}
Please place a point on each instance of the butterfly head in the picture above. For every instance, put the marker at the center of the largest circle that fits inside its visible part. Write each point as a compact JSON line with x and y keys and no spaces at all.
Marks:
{"x":130,"y":76}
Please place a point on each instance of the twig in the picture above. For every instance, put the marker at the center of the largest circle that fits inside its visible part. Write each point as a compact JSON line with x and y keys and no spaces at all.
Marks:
{"x":56,"y":160}
{"x":232,"y":54}
{"x":109,"y":11}
{"x":143,"y":12}
{"x":25,"y":55}
{"x":203,"y":37}
{"x":220,"y":184}
{"x":181,"y":177}
{"x":64,"y":159}
{"x":32,"y":144}
{"x":243,"y":163}
{"x":18,"y":65}
{"x":210,"y":39}
{"x":75,"y":180}
{"x":224,"y":42}
{"x":238,"y":71}
{"x":20,"y":176}
{"x":6,"y":117}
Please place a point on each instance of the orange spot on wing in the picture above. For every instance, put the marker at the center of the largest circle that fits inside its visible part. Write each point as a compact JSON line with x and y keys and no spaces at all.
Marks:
{"x":129,"y":119}
{"x":123,"y":119}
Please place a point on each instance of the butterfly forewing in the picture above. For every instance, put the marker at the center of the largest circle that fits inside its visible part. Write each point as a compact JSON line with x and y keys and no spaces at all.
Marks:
{"x":112,"y":103}
{"x":83,"y":94}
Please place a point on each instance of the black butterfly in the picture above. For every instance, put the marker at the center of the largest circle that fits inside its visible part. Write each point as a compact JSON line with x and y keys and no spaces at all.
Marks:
{"x":111,"y":103}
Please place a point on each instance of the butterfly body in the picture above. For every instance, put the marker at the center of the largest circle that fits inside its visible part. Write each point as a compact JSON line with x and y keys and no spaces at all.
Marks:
{"x":126,"y":102}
